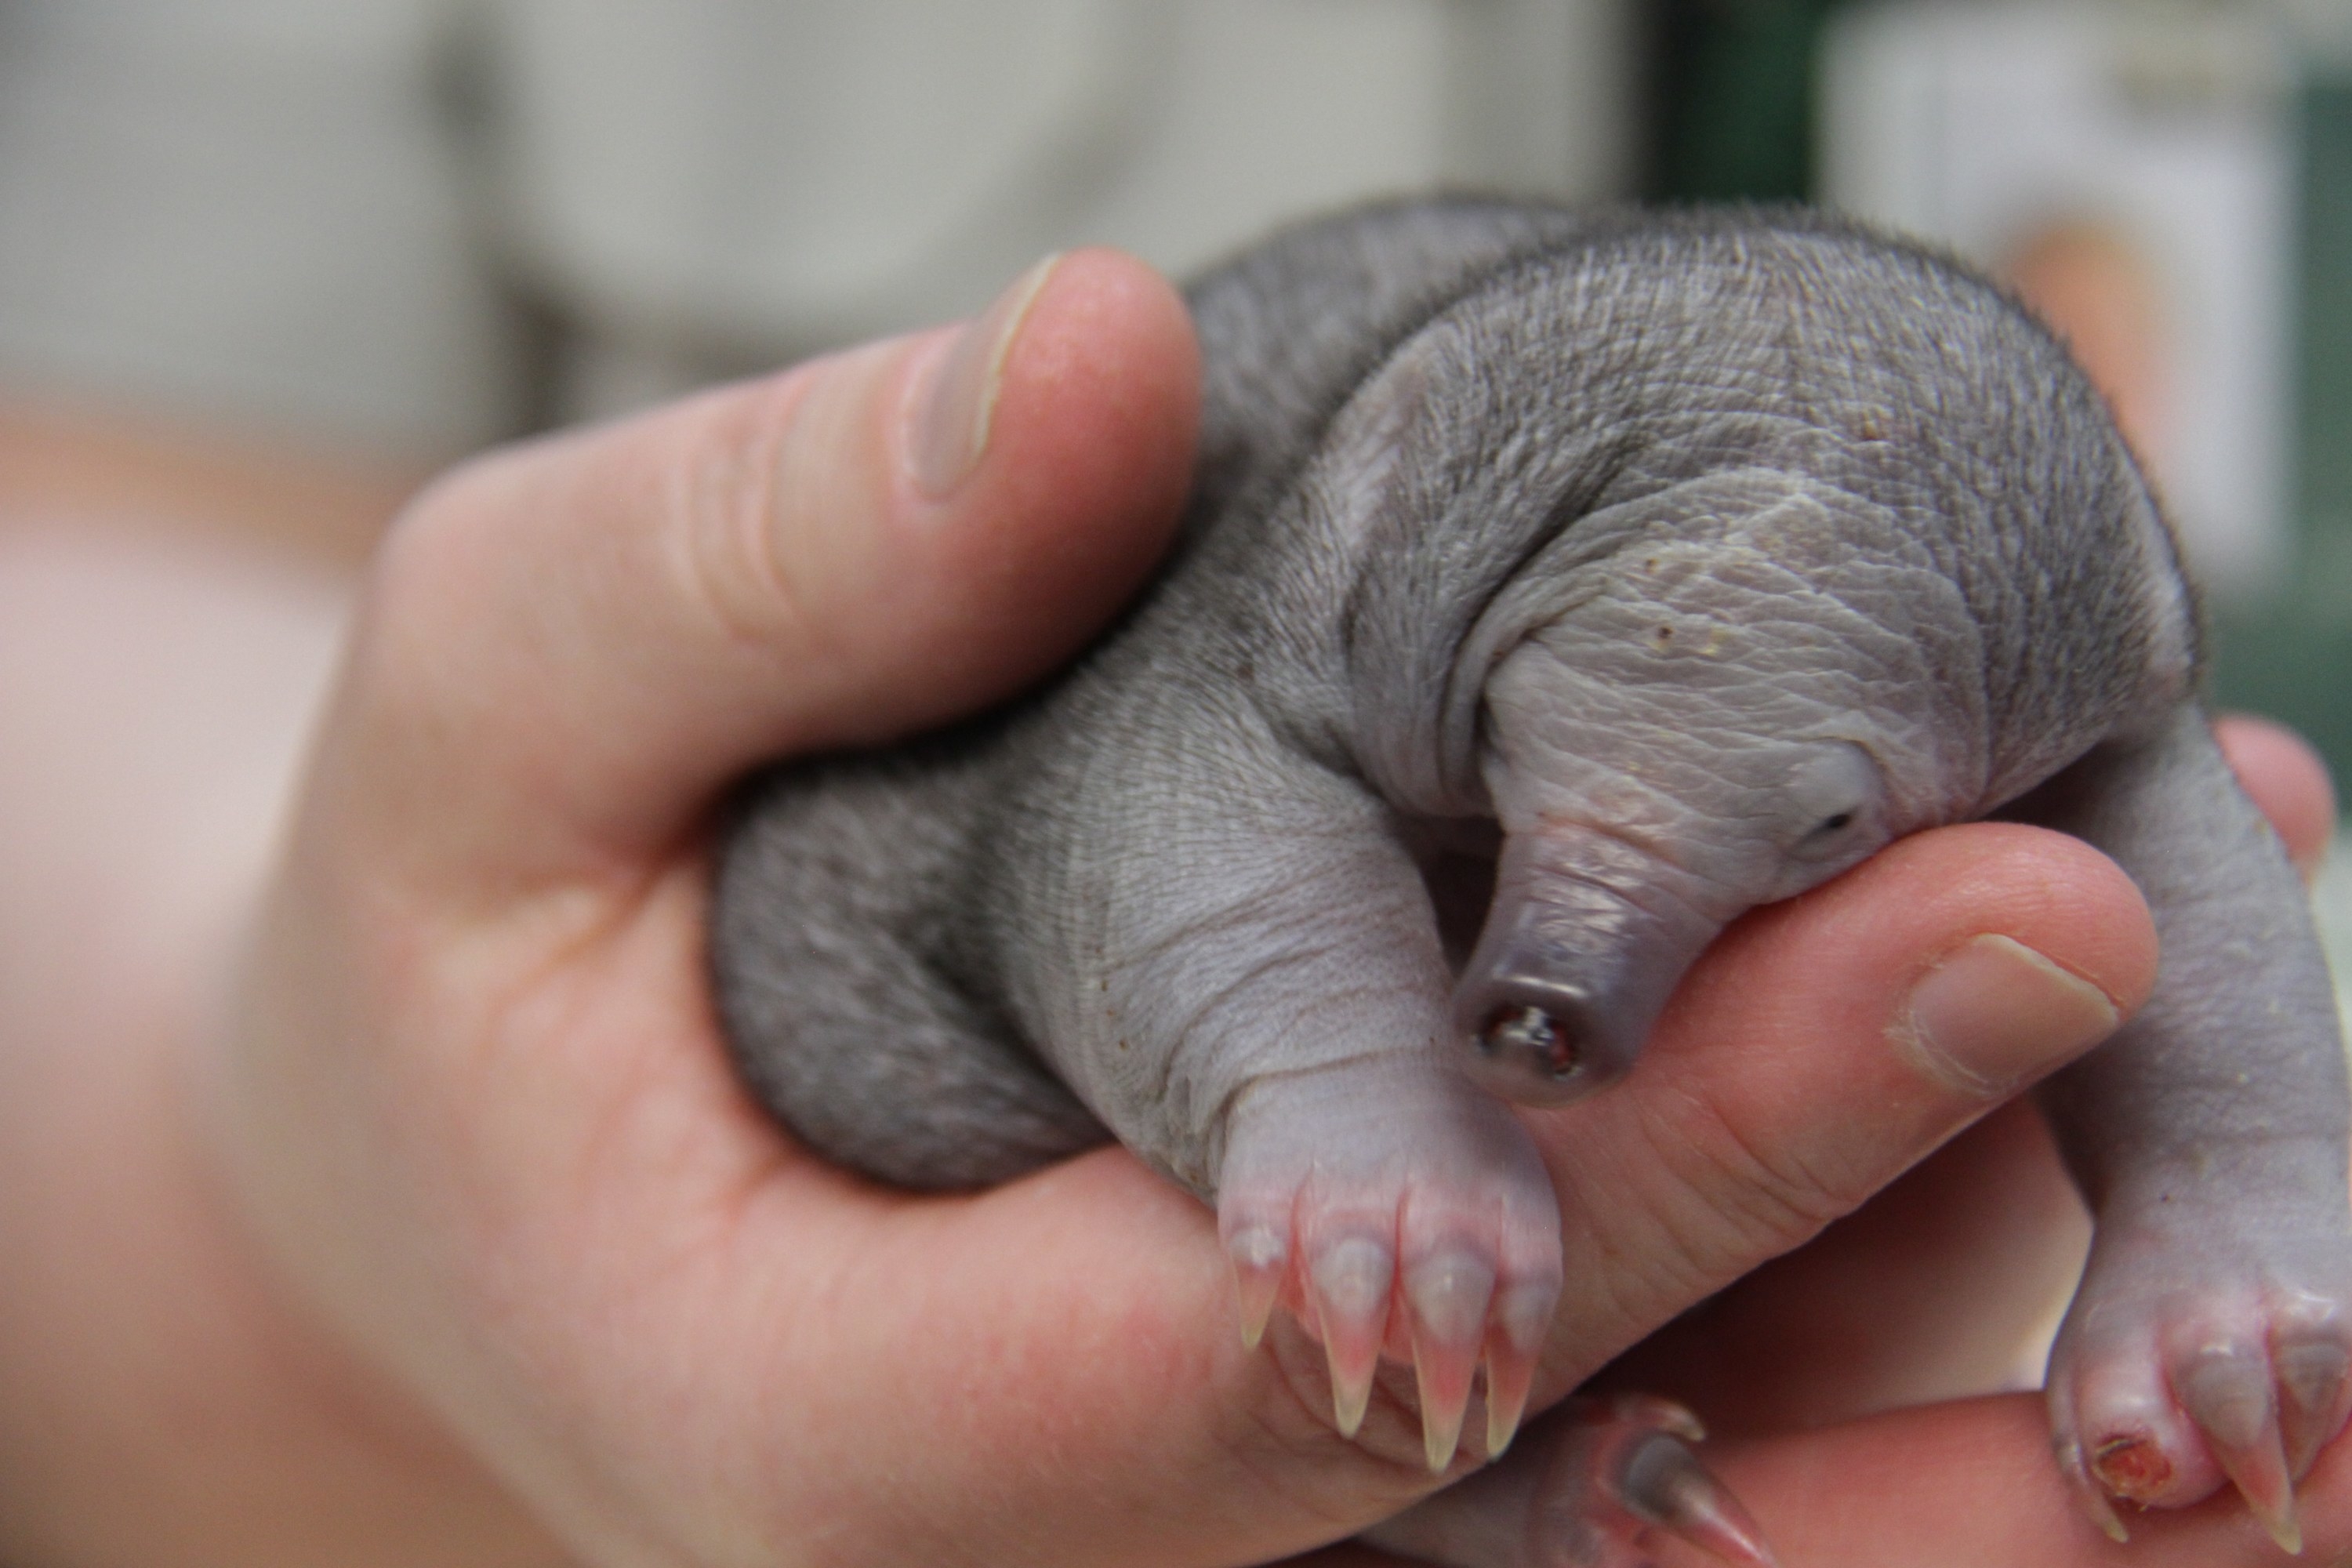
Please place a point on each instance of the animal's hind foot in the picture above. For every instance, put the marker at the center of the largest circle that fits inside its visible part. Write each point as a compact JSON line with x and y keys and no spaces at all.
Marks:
{"x":1621,"y":1473}
{"x":1598,"y":1483}
{"x":2173,"y":1378}
{"x":1398,"y":1212}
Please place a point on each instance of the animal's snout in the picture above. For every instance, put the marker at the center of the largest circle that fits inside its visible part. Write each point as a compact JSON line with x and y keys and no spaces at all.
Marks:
{"x":1555,"y":1046}
{"x":1571,"y":970}
{"x":1543,"y":1043}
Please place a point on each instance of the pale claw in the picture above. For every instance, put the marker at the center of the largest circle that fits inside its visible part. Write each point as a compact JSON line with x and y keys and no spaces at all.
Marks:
{"x":1627,"y":1469}
{"x":1348,"y":1285}
{"x":2227,"y":1393}
{"x":2316,"y":1381}
{"x":1446,"y":1295}
{"x":1512,"y":1346}
{"x":1260,"y":1258}
{"x":1595,"y":1484}
{"x":2096,"y":1504}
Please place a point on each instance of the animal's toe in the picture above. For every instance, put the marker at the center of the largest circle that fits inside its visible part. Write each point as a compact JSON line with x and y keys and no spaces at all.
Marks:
{"x":2228,"y":1391}
{"x":1349,"y":1279}
{"x":1447,"y":1293}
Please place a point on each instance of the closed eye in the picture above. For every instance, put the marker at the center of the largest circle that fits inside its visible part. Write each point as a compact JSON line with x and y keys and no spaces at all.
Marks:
{"x":1828,"y":835}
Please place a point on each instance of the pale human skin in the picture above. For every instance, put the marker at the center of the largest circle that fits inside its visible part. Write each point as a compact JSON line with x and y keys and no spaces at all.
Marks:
{"x":416,"y":1219}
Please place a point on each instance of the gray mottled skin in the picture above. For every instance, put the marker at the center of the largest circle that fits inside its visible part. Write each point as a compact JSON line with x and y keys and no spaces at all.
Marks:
{"x":1558,"y":587}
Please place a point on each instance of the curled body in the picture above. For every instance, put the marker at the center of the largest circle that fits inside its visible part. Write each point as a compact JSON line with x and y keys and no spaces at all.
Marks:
{"x":1557,"y":586}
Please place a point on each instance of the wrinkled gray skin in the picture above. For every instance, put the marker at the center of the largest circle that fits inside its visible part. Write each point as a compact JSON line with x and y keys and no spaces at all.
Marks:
{"x":1702,"y":556}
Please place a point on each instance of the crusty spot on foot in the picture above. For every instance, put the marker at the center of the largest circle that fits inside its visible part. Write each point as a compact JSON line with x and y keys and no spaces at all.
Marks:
{"x":2131,"y":1467}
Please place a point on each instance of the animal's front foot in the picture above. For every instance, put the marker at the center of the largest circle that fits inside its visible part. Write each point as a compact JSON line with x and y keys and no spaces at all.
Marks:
{"x":2201,"y":1354}
{"x":1395,"y":1209}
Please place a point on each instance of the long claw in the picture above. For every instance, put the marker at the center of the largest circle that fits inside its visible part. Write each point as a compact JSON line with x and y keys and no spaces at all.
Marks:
{"x":1660,"y":1481}
{"x":2227,"y":1393}
{"x":1521,"y":1316}
{"x":1350,"y":1282}
{"x":2317,"y":1382}
{"x":2096,"y":1504}
{"x":1259,"y":1258}
{"x":1447,"y":1294}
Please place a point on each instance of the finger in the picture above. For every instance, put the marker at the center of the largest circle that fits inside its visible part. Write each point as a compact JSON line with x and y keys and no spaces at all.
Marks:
{"x":1946,"y":1284}
{"x":2287,"y":778}
{"x":1823,"y":1047}
{"x":1953,"y":1486}
{"x":569,"y":648}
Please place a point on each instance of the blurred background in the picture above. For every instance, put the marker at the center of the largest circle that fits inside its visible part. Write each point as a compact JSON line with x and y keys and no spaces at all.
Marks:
{"x":264,"y":263}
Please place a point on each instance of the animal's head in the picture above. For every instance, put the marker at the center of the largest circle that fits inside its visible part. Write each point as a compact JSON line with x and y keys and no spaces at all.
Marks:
{"x":1709,"y":560}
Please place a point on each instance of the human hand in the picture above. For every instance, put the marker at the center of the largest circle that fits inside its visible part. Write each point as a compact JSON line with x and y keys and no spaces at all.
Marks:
{"x":474,"y":1103}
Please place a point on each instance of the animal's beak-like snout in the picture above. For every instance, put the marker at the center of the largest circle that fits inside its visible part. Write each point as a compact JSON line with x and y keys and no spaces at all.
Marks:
{"x":1586,"y":939}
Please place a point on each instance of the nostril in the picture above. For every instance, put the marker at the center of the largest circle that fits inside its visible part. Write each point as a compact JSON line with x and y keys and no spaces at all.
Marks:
{"x":1541,"y":1042}
{"x":1524,"y":1033}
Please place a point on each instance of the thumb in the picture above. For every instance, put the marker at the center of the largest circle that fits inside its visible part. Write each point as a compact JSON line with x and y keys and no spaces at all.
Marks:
{"x":570,"y":646}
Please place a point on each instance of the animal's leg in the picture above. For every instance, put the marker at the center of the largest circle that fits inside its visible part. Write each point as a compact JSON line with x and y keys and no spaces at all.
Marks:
{"x":2211,"y":1336}
{"x":1595,"y":1484}
{"x":1260,"y":1007}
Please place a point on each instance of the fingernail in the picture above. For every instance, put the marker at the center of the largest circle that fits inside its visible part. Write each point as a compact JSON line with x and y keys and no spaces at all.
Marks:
{"x":1995,"y":1013}
{"x":952,"y":413}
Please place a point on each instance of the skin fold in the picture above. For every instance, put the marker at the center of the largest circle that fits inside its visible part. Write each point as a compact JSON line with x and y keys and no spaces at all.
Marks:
{"x":1556,"y":588}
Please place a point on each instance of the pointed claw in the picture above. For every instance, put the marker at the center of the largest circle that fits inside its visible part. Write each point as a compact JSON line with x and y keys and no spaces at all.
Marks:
{"x":2096,"y":1504}
{"x":1447,"y":1294}
{"x":2227,"y":1393}
{"x":1659,"y":1480}
{"x":2317,"y":1381}
{"x":1350,"y":1283}
{"x":1522,"y":1314}
{"x":1441,"y":1416}
{"x":1508,"y":1381}
{"x":1259,"y":1258}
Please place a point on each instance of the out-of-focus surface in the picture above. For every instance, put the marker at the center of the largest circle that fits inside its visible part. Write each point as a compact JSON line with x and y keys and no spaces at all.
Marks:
{"x":409,"y":227}
{"x":2331,"y":898}
{"x":2129,"y":168}
{"x":719,"y":179}
{"x":243,"y":211}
